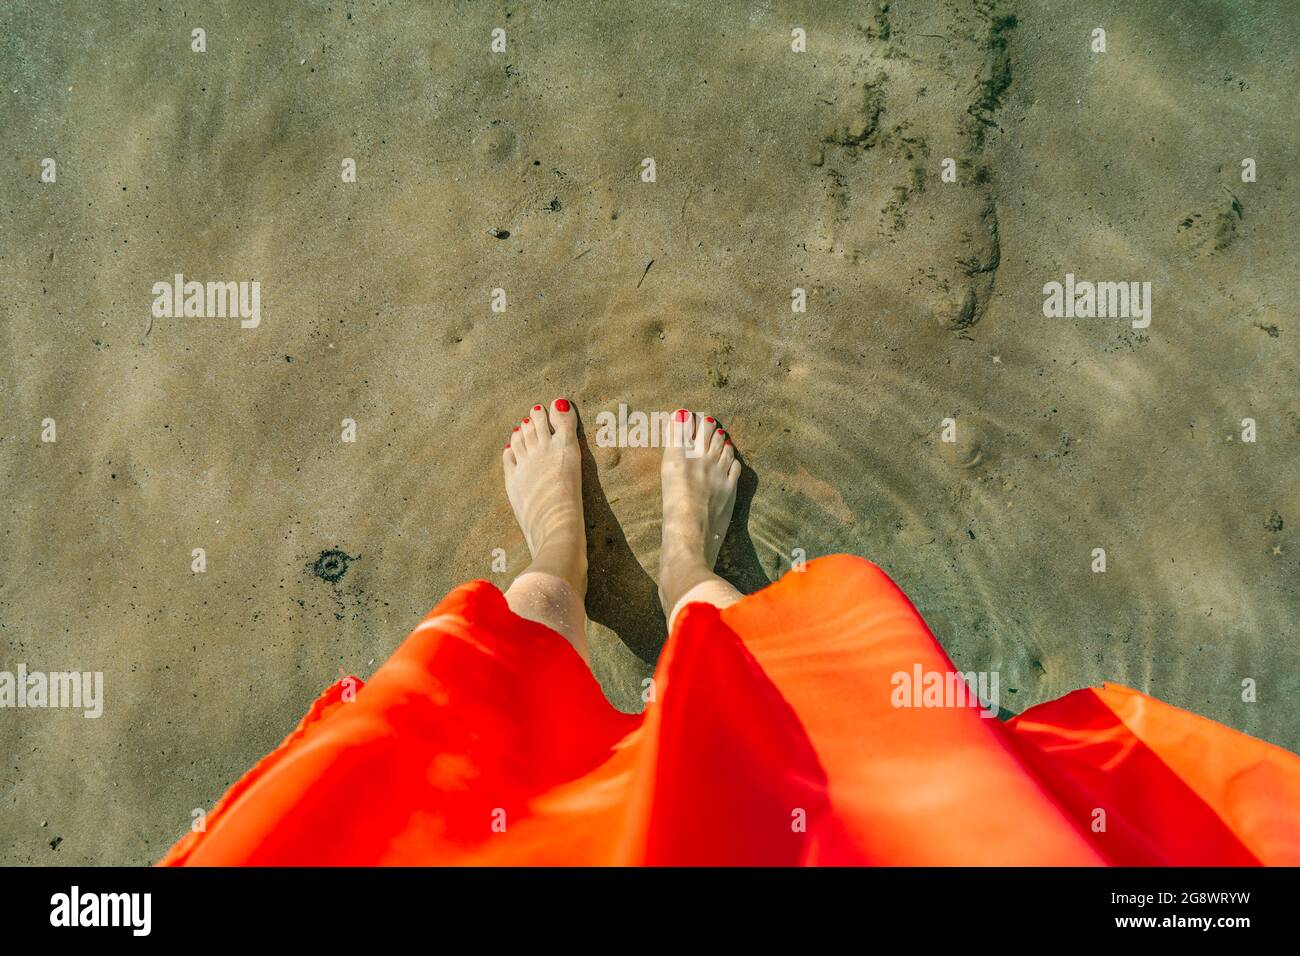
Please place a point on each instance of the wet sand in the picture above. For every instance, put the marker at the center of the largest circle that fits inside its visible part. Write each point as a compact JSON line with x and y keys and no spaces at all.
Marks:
{"x":522,"y":171}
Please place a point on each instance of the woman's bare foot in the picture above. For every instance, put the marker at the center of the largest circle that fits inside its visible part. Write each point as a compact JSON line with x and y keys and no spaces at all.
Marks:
{"x":699,"y":473}
{"x":544,"y":484}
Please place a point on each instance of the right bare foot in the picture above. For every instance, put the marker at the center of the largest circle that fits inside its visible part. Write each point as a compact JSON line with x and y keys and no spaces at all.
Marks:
{"x":699,"y":473}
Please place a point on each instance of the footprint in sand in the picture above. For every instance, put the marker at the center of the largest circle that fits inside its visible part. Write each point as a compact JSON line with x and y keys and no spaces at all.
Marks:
{"x":920,"y":96}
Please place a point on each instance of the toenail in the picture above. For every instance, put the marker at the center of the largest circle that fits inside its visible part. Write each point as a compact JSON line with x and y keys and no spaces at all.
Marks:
{"x":525,"y":421}
{"x":561,"y":404}
{"x":682,"y":414}
{"x":728,"y":442}
{"x":537,"y":408}
{"x":710,"y":419}
{"x":516,"y":428}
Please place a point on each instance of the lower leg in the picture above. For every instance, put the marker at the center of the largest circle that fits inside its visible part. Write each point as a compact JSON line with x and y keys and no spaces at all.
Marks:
{"x":550,"y":600}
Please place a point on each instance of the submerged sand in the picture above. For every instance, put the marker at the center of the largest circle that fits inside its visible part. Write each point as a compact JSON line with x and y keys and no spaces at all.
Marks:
{"x":522,"y":171}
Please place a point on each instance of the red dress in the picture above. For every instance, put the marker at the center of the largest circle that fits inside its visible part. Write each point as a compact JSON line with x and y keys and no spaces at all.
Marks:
{"x":777,"y":734}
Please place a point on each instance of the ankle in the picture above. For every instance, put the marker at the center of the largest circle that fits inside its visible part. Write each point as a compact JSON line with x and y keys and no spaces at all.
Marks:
{"x":564,"y":557}
{"x":709,"y":589}
{"x":679,"y":576}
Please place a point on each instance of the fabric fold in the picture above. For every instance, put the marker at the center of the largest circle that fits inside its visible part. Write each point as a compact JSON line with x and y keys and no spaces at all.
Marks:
{"x":783,"y":730}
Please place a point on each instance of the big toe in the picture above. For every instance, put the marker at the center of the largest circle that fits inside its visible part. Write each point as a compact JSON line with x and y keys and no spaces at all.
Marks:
{"x":564,"y":418}
{"x":681,"y":435}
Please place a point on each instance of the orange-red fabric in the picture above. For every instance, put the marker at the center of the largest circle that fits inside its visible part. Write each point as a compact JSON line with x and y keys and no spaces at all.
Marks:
{"x":779,"y":733}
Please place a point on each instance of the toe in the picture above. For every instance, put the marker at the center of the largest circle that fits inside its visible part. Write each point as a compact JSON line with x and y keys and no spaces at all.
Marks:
{"x":564,"y":419}
{"x":517,"y":446}
{"x":528,"y":428}
{"x":682,"y":429}
{"x":508,"y":459}
{"x":733,"y":473}
{"x":705,"y":432}
{"x":541,"y":427}
{"x":717,"y":442}
{"x":728,"y":455}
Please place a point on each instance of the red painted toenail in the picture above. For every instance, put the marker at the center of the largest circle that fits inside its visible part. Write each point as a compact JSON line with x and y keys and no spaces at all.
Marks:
{"x":561,"y":404}
{"x":507,"y":447}
{"x":516,"y":428}
{"x":709,"y":419}
{"x":728,"y":441}
{"x":683,"y":414}
{"x":525,"y":421}
{"x":537,"y":408}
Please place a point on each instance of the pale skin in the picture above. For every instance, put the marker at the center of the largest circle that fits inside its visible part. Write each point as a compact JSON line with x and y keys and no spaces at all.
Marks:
{"x":543,"y":472}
